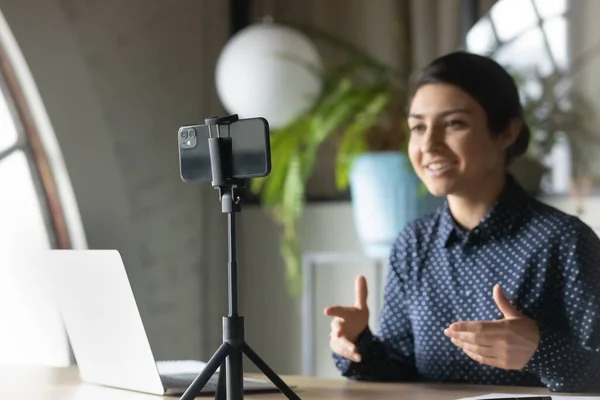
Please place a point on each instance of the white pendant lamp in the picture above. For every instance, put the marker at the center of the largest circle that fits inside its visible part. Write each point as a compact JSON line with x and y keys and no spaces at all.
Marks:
{"x":268,"y":70}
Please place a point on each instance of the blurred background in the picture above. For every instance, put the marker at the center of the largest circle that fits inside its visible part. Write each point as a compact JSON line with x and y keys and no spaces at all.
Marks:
{"x":92,"y":93}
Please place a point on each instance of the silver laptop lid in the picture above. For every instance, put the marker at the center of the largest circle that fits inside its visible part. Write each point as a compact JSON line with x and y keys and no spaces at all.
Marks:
{"x":102,"y":319}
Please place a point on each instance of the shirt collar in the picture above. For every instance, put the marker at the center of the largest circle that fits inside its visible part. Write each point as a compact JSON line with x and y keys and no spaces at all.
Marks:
{"x":500,"y":220}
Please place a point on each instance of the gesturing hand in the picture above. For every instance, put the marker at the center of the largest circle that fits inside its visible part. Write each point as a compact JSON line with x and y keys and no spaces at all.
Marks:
{"x":509,"y":343}
{"x":349,"y":322}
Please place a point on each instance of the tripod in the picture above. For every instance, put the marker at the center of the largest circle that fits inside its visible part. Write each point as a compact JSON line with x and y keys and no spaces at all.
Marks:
{"x":229,"y":355}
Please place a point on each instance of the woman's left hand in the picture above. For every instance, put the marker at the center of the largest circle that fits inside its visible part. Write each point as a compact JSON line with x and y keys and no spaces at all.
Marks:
{"x":509,"y":343}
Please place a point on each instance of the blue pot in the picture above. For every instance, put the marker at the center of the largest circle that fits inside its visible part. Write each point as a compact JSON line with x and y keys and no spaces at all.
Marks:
{"x":386,"y":195}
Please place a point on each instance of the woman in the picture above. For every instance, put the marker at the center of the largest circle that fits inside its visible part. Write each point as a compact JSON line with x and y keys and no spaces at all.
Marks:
{"x":493,"y":288}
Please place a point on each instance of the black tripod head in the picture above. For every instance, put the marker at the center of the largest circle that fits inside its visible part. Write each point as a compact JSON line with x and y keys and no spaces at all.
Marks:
{"x":227,"y":151}
{"x":221,"y":161}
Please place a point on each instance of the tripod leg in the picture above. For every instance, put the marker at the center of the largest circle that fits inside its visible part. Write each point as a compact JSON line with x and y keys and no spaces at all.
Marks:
{"x":211,"y":367}
{"x":221,"y":393}
{"x":269,"y":373}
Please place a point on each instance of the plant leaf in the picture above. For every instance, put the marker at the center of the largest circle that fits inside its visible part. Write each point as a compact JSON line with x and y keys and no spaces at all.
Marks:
{"x":280,"y":158}
{"x":276,"y":139}
{"x":293,"y":191}
{"x":291,"y":254}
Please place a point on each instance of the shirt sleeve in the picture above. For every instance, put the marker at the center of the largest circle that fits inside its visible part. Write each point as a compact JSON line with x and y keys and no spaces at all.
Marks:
{"x":389,"y":355}
{"x":568,"y":356}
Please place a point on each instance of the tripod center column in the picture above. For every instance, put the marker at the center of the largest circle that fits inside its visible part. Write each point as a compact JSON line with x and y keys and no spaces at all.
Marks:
{"x":233,"y":330}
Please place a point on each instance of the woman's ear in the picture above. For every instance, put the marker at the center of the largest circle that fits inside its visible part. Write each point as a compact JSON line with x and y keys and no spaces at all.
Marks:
{"x":511,"y":134}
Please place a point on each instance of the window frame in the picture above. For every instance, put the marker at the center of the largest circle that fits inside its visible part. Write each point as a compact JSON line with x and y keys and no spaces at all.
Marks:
{"x":30,"y":142}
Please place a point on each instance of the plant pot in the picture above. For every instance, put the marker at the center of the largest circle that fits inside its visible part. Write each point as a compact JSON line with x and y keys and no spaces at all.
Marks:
{"x":386,"y":195}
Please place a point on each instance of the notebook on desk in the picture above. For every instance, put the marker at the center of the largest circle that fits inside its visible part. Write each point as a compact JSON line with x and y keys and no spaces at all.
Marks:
{"x":527,"y":396}
{"x":107,"y":335}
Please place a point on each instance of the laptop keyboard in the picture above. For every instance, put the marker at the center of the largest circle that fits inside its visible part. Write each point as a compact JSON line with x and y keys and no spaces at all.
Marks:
{"x":177,"y":375}
{"x":184,"y":380}
{"x":178,"y":381}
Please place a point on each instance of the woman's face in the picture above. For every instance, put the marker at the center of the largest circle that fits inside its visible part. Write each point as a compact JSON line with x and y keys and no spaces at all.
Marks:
{"x":451,"y":147}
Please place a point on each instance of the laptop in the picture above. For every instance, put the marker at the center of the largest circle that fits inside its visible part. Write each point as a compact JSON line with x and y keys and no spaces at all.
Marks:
{"x":106,"y":332}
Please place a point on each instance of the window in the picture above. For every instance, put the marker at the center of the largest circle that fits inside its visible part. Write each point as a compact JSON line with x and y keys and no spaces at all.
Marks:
{"x":29,"y":208}
{"x":31,"y":218}
{"x":523,"y":35}
{"x":530,"y":37}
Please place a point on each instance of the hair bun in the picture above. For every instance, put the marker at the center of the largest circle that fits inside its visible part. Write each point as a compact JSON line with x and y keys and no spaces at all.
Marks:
{"x":521,"y":144}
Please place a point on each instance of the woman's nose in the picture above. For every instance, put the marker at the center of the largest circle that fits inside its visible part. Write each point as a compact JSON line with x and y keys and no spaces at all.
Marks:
{"x":431,"y":139}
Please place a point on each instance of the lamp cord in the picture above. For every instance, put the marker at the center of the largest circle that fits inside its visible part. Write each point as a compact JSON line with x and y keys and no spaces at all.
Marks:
{"x":269,"y":11}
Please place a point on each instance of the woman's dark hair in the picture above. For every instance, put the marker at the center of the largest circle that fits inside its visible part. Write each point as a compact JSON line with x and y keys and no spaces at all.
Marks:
{"x":489,"y":84}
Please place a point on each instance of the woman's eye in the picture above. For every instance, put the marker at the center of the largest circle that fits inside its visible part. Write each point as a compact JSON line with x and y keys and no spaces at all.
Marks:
{"x":418,"y":128}
{"x":455,"y":124}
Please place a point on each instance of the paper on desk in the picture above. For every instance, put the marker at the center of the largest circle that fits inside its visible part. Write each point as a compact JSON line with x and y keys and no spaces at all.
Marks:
{"x":172,"y":367}
{"x":512,"y":396}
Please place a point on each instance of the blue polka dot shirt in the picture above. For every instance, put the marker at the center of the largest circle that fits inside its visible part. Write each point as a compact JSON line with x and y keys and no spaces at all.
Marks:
{"x":548,"y":264}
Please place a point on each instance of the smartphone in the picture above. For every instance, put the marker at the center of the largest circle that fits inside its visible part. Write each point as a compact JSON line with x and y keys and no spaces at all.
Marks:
{"x":251,"y":151}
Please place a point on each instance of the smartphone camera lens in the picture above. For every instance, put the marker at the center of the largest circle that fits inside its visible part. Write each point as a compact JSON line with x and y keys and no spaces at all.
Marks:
{"x":191,"y":133}
{"x":184,"y":134}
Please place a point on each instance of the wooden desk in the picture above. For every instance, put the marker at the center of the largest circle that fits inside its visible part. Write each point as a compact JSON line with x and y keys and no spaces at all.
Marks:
{"x":19,"y":383}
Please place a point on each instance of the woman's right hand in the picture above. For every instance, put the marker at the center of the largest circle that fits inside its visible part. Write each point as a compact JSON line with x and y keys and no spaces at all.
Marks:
{"x":349,"y":322}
